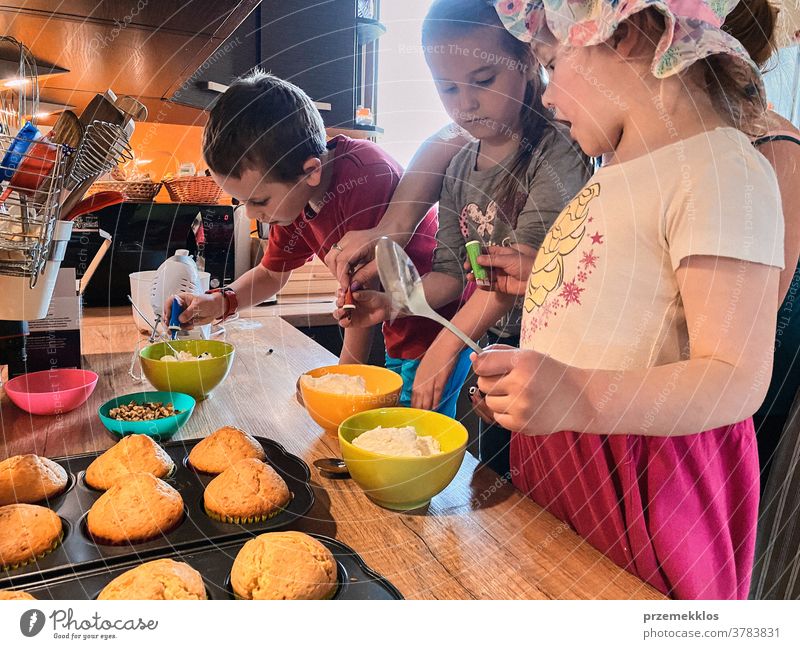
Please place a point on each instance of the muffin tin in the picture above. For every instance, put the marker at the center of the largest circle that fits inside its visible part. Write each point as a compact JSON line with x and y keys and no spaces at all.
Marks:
{"x":78,"y":553}
{"x":356,"y":580}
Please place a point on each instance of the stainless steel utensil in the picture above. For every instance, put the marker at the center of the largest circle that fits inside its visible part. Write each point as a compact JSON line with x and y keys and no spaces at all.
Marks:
{"x":103,"y":147}
{"x":332,"y":465}
{"x":132,"y":107}
{"x":402,"y":282}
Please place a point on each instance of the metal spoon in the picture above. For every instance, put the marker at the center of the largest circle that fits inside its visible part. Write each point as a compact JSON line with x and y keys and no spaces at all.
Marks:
{"x":402,"y":282}
{"x":332,"y":465}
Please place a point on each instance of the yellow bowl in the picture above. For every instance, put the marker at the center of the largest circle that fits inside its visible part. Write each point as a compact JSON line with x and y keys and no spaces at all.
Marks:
{"x":329,"y":410}
{"x":403,"y":483}
{"x":197,"y":378}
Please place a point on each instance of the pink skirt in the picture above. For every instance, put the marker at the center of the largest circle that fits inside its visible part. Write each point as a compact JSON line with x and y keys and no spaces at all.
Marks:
{"x":678,"y":512}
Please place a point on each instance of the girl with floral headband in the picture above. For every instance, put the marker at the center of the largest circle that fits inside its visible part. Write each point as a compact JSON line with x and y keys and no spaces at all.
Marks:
{"x":651,"y":307}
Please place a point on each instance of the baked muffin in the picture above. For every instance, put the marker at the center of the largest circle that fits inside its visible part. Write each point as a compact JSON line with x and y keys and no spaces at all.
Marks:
{"x":137,"y":508}
{"x":26,"y":533}
{"x":30,"y":479}
{"x":284,"y":565}
{"x":15,"y":594}
{"x":160,"y":579}
{"x":247,"y":492}
{"x":223,"y":448}
{"x":132,"y":454}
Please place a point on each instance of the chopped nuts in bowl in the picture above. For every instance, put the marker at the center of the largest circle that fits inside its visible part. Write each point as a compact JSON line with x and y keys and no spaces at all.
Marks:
{"x":143,"y":411}
{"x":156,"y":414}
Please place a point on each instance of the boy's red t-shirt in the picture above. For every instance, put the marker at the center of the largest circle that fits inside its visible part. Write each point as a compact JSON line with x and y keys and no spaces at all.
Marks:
{"x":363,"y":181}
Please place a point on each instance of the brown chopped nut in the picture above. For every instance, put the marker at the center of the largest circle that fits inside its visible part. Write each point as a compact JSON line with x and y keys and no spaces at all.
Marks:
{"x":143,"y":412}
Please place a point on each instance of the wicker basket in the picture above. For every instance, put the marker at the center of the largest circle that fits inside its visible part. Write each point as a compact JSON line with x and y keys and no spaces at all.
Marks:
{"x":193,"y":189}
{"x":134,"y":191}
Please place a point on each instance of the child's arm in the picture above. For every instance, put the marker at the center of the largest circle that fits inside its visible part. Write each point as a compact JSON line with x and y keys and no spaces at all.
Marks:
{"x":356,"y":345}
{"x":730,"y":308}
{"x":482,"y":310}
{"x":418,"y":190}
{"x":254,"y":286}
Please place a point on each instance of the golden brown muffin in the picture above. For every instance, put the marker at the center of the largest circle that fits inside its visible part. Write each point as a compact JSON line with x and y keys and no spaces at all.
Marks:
{"x":247,"y":492}
{"x":137,"y":508}
{"x":15,"y":594}
{"x":223,"y":448}
{"x":284,"y":565}
{"x":160,"y":579}
{"x":27,"y":532}
{"x":30,"y":479}
{"x":132,"y":454}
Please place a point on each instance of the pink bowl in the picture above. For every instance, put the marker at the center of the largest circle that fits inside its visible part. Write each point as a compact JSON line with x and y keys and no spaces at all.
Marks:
{"x":51,"y":392}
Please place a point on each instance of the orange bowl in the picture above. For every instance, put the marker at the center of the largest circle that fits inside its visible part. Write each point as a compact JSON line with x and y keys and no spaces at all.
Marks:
{"x":329,"y":409}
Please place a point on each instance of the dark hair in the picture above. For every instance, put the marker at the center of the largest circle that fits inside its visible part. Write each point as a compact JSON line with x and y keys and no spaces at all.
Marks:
{"x":454,"y":17}
{"x":263,"y":123}
{"x":752,"y":23}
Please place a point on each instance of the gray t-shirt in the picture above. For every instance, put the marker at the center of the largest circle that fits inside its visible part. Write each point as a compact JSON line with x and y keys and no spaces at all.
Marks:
{"x":468,"y":211}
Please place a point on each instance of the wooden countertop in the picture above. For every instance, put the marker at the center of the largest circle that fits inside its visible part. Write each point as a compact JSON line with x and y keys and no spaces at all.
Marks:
{"x":478,"y":539}
{"x":301,"y":314}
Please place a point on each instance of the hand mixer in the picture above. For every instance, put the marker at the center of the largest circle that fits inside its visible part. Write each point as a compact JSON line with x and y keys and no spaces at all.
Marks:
{"x":178,"y":274}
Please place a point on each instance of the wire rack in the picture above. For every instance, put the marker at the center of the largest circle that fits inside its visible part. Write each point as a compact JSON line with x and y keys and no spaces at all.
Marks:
{"x":103,"y":147}
{"x":29,"y":204}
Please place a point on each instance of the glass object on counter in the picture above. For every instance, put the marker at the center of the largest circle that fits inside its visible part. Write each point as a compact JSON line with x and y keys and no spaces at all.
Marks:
{"x":187,"y":169}
{"x":364,"y":116}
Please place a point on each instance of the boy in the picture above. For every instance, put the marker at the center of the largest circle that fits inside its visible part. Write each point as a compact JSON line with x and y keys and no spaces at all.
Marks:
{"x":265,"y":145}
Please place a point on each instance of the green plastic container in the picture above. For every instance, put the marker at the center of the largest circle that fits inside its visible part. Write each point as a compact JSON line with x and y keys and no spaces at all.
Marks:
{"x":480,"y":273}
{"x":198,"y":378}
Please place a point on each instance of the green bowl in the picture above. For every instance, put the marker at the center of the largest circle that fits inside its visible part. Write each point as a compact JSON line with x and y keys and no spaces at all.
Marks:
{"x":197,"y":378}
{"x":158,"y":429}
{"x":403,"y":483}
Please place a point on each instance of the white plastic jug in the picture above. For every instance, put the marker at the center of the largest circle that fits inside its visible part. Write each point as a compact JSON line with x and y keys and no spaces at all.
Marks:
{"x":141,"y":291}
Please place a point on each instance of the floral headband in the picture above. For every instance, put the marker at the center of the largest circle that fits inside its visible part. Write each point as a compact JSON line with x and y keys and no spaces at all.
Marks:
{"x":693,"y":27}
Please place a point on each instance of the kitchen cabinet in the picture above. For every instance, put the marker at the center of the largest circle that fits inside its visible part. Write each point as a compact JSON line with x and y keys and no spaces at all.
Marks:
{"x":147,"y":50}
{"x":323,"y":47}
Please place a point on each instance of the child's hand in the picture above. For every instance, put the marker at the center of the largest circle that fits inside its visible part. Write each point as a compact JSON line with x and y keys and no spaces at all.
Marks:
{"x":509,"y":267}
{"x":526,"y":391}
{"x":198,"y":309}
{"x":372,"y":307}
{"x":432,"y":374}
{"x":356,"y":248}
{"x":480,"y":408}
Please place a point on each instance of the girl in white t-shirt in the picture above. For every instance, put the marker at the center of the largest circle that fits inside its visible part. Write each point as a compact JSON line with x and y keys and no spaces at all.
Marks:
{"x":650,"y":311}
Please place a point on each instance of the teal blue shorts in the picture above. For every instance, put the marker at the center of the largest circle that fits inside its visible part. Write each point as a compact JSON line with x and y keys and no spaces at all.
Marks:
{"x":408,"y":370}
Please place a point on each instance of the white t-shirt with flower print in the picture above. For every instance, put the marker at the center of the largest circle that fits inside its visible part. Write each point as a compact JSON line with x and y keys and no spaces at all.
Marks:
{"x":603,"y":291}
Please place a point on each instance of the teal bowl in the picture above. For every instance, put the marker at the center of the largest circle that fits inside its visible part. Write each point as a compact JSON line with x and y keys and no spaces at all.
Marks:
{"x":158,"y":429}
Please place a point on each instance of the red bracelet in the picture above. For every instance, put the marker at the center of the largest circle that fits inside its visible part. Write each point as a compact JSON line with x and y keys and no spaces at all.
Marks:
{"x":230,"y":301}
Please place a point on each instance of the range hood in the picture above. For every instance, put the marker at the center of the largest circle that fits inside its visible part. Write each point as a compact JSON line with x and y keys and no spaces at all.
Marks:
{"x":149,"y":50}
